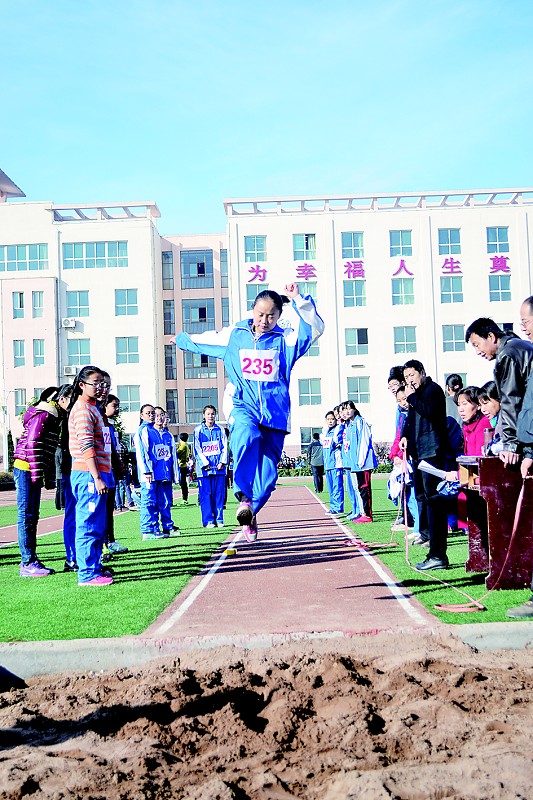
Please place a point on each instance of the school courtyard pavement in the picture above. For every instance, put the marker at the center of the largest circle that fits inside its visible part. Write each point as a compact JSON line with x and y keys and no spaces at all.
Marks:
{"x":306,"y":577}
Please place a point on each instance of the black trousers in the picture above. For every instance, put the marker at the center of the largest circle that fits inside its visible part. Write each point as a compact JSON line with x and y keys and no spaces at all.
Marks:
{"x":433,"y":510}
{"x":184,"y":486}
{"x":318,"y":478}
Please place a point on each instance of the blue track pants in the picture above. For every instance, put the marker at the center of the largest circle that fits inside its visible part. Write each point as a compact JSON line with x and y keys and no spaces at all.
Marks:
{"x":335,"y":482}
{"x":211,"y":495}
{"x":90,"y":522}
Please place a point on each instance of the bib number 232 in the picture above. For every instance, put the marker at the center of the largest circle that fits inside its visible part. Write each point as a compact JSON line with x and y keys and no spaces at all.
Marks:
{"x":260,"y":365}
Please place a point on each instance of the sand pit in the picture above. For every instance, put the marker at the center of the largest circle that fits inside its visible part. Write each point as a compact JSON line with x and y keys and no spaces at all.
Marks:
{"x":411,"y":717}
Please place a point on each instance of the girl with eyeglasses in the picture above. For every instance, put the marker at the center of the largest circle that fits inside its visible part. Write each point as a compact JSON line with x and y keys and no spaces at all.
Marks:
{"x":91,"y":477}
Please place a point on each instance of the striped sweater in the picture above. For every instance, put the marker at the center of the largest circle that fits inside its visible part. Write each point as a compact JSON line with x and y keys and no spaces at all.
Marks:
{"x":87,"y":436}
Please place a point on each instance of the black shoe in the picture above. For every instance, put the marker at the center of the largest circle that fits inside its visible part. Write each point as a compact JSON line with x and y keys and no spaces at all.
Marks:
{"x":70,"y":566}
{"x":525,"y":611}
{"x":433,"y":563}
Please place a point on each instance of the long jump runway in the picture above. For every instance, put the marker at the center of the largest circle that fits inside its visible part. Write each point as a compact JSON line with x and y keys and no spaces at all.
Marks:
{"x":300,"y":579}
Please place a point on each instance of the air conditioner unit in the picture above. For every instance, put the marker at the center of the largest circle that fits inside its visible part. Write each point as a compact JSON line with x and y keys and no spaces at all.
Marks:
{"x":68,"y":322}
{"x":70,"y":370}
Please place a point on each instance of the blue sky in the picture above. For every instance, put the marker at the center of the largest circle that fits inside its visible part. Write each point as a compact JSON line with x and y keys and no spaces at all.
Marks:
{"x":188,"y":103}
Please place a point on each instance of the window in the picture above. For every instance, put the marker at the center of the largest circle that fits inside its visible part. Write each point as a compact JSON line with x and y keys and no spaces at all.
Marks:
{"x":405,"y":339}
{"x":309,"y":391}
{"x":171,"y":372}
{"x":252,"y":290}
{"x":127,"y":349}
{"x":255,"y":248}
{"x":19,"y":358}
{"x":20,"y":401}
{"x":167,"y":266}
{"x":199,"y":366}
{"x":356,"y":341}
{"x":38,"y":352}
{"x":172,"y":405}
{"x":126,"y":302}
{"x":195,"y":400}
{"x":225,"y":312}
{"x":21,"y":257}
{"x":449,"y":241}
{"x":400,"y":243}
{"x":196,"y":269}
{"x":37,"y":304}
{"x":497,"y":240}
{"x":18,"y":305}
{"x":129,"y":397}
{"x":507,"y":327}
{"x":79,"y":352}
{"x":224,"y":269}
{"x":95,"y":255}
{"x":453,"y":338}
{"x":403,"y":291}
{"x":169,"y":317}
{"x":306,"y":435}
{"x":499,"y":288}
{"x":451,"y":289}
{"x":308,"y":287}
{"x":352,"y":245}
{"x":359,"y":390}
{"x":198,"y":315}
{"x":314,"y":350}
{"x":304,"y":246}
{"x":354,"y":293}
{"x":78,"y":304}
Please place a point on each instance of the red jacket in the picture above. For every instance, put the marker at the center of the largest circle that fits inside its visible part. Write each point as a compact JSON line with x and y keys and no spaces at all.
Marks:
{"x":474,"y":434}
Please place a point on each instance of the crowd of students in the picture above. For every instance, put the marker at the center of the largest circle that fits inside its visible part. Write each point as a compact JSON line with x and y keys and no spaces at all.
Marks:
{"x":77,"y":420}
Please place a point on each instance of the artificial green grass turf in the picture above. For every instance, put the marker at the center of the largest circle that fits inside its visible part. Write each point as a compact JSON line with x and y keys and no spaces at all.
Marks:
{"x":8,"y":514}
{"x":147,"y":579}
{"x":423,"y":585}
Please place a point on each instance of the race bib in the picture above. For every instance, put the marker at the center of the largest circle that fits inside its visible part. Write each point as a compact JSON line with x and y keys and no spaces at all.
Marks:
{"x":326,"y":441}
{"x":346,"y":445}
{"x":162,"y":452}
{"x":107,"y":440}
{"x":211,"y":449}
{"x":260,"y":365}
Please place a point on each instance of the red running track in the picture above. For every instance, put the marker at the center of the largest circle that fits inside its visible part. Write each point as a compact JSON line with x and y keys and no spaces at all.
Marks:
{"x":299,"y":579}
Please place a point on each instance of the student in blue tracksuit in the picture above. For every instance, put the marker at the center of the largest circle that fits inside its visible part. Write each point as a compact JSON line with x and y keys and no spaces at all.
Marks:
{"x":362,"y":461}
{"x":258,"y":356}
{"x":150,"y":452}
{"x":331,"y":444}
{"x":167,"y":469}
{"x":348,"y":413}
{"x":211,"y":452}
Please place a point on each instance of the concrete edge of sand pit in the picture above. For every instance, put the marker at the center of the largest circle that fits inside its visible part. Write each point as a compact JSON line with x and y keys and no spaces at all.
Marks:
{"x":29,"y":659}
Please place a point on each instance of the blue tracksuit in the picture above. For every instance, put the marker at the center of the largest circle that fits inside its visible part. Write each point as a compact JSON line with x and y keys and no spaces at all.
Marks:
{"x":334,"y":474}
{"x":169,"y":466}
{"x":154,"y":457}
{"x":353,"y":489}
{"x":256,"y":401}
{"x":211,"y":449}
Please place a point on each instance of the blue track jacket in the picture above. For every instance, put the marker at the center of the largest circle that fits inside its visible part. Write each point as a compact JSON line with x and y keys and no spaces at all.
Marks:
{"x":259,"y":369}
{"x":330,"y":445}
{"x":210,"y":449}
{"x":154,"y":453}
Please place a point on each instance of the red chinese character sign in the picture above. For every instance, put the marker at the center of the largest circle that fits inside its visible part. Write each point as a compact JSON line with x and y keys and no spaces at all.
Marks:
{"x":354,"y":269}
{"x":499,"y":264}
{"x":258,"y":274}
{"x":451,"y":267}
{"x":402,"y":268}
{"x":305,"y":271}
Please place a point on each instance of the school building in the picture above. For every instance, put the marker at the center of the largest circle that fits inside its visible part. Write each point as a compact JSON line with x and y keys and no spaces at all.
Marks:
{"x":394,"y":276}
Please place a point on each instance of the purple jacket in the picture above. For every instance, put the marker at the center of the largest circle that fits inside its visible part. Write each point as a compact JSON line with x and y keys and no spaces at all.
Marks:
{"x":39,"y":439}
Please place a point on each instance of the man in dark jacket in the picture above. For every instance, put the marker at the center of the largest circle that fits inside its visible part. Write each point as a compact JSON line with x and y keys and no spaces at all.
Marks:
{"x":316,"y":460}
{"x":425,"y":438}
{"x":514,"y":359}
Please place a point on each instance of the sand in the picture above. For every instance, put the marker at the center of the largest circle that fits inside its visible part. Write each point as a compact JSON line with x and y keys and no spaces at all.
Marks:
{"x":415,"y":717}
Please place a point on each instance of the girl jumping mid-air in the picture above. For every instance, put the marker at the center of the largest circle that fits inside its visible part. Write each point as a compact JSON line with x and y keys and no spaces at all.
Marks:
{"x":258,"y":356}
